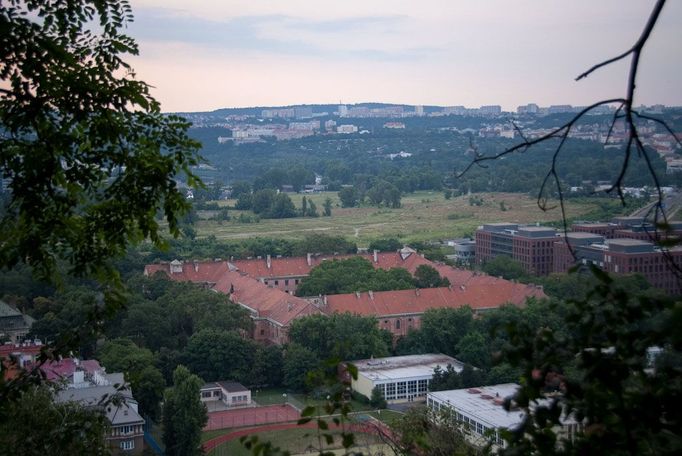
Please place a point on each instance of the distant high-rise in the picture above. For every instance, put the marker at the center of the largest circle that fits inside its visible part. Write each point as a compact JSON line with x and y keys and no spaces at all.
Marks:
{"x":490,"y":110}
{"x":530,"y":108}
{"x":419,"y":110}
{"x":343,"y":110}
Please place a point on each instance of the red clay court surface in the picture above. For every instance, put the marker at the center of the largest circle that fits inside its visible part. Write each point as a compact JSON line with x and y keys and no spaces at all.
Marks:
{"x":365,"y":428}
{"x":251,"y":416}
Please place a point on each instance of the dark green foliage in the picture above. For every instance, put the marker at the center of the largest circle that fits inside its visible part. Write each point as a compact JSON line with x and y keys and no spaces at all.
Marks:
{"x":298,"y":362}
{"x":505,"y":267}
{"x":600,"y":365}
{"x":448,"y":194}
{"x":282,"y":207}
{"x":340,"y":336}
{"x":449,"y":378}
{"x":184,"y":416}
{"x":353,"y":274}
{"x":137,"y":364}
{"x":262,"y":201}
{"x":377,"y":400}
{"x":349,"y":197}
{"x":418,"y":431}
{"x":33,"y":424}
{"x":327,"y":207}
{"x":240,"y":188}
{"x":312,"y":210}
{"x":427,"y":277}
{"x":89,"y":156}
{"x":385,"y":245}
{"x":216,"y":355}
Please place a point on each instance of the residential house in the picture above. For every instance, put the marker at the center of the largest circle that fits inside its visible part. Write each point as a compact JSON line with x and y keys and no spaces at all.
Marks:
{"x":14,"y":325}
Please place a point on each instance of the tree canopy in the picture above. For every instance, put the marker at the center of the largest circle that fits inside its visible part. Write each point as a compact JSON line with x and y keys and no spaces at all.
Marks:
{"x":353,"y":274}
{"x":88,"y":156}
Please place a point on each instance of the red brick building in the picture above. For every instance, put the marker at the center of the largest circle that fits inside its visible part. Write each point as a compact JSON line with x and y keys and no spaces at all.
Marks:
{"x":273,"y":308}
{"x":532,"y":246}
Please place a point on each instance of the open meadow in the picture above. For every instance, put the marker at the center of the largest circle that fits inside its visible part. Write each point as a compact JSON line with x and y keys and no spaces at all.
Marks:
{"x":423,"y":216}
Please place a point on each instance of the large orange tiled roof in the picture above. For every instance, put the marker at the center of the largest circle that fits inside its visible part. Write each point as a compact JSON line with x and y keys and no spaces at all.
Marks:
{"x":480,"y":292}
{"x":238,"y":279}
{"x":263,"y":301}
{"x":301,"y":266}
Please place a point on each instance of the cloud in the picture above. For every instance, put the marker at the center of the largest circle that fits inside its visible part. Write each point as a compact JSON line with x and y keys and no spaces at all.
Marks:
{"x":364,"y":37}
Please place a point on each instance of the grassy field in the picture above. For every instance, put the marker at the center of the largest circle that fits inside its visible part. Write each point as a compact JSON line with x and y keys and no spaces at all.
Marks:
{"x":297,"y":441}
{"x":423,"y":216}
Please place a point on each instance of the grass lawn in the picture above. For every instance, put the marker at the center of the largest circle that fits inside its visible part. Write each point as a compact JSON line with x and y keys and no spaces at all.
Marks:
{"x":297,"y":441}
{"x":423,"y":216}
{"x":208,"y":435}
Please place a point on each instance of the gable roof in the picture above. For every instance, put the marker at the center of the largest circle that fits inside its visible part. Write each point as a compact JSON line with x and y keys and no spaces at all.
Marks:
{"x":239,"y":280}
{"x":480,"y":292}
{"x":300,"y":266}
{"x":266,"y":302}
{"x":263,"y":301}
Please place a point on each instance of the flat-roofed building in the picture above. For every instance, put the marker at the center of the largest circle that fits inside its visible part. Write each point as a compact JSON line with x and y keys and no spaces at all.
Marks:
{"x":532,"y":246}
{"x":227,"y":394}
{"x":482,"y":410}
{"x":400,"y":378}
{"x":563,"y":258}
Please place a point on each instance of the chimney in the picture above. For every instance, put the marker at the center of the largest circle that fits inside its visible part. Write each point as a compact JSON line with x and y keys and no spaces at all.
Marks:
{"x":196,"y":266}
{"x":310,"y":259}
{"x":416,"y":291}
{"x":450,"y":287}
{"x":357,"y":294}
{"x":376,"y":256}
{"x":268,"y":260}
{"x":324,"y":299}
{"x":371,"y":293}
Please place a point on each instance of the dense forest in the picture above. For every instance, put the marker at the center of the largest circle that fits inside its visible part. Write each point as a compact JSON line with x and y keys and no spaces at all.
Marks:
{"x":440,"y":148}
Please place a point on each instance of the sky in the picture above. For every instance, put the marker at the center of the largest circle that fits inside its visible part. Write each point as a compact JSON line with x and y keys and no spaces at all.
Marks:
{"x":204,"y":55}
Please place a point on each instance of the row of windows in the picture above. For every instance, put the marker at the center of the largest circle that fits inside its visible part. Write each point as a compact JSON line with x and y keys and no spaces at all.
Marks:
{"x":286,"y":282}
{"x":127,"y":445}
{"x":239,"y":398}
{"x":127,"y":429}
{"x":403,"y":390}
{"x":473,"y":425}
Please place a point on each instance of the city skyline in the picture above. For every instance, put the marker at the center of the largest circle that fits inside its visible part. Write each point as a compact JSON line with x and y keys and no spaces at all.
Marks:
{"x":240,"y":54}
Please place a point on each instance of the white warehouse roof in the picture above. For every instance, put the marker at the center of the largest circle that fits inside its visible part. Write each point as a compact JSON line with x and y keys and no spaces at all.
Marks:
{"x":401,"y":367}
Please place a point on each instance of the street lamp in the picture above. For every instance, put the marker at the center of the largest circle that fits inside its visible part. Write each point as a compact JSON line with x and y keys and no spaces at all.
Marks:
{"x":284,"y":395}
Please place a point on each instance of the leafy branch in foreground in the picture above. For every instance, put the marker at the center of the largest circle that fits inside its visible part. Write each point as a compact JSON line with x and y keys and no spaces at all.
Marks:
{"x":615,"y":370}
{"x":88,"y":158}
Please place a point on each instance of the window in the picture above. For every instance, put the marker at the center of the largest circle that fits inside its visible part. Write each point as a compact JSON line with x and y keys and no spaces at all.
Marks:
{"x":286,"y":281}
{"x":205,"y":394}
{"x":276,"y":282}
{"x":412,"y":387}
{"x":402,"y":388}
{"x":422,"y":386}
{"x":397,"y":324}
{"x":127,"y":445}
{"x":296,"y":281}
{"x":390,"y":391}
{"x":216,"y":393}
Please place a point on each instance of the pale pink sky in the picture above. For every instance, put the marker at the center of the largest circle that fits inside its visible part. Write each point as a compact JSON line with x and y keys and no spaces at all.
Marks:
{"x":205,"y":55}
